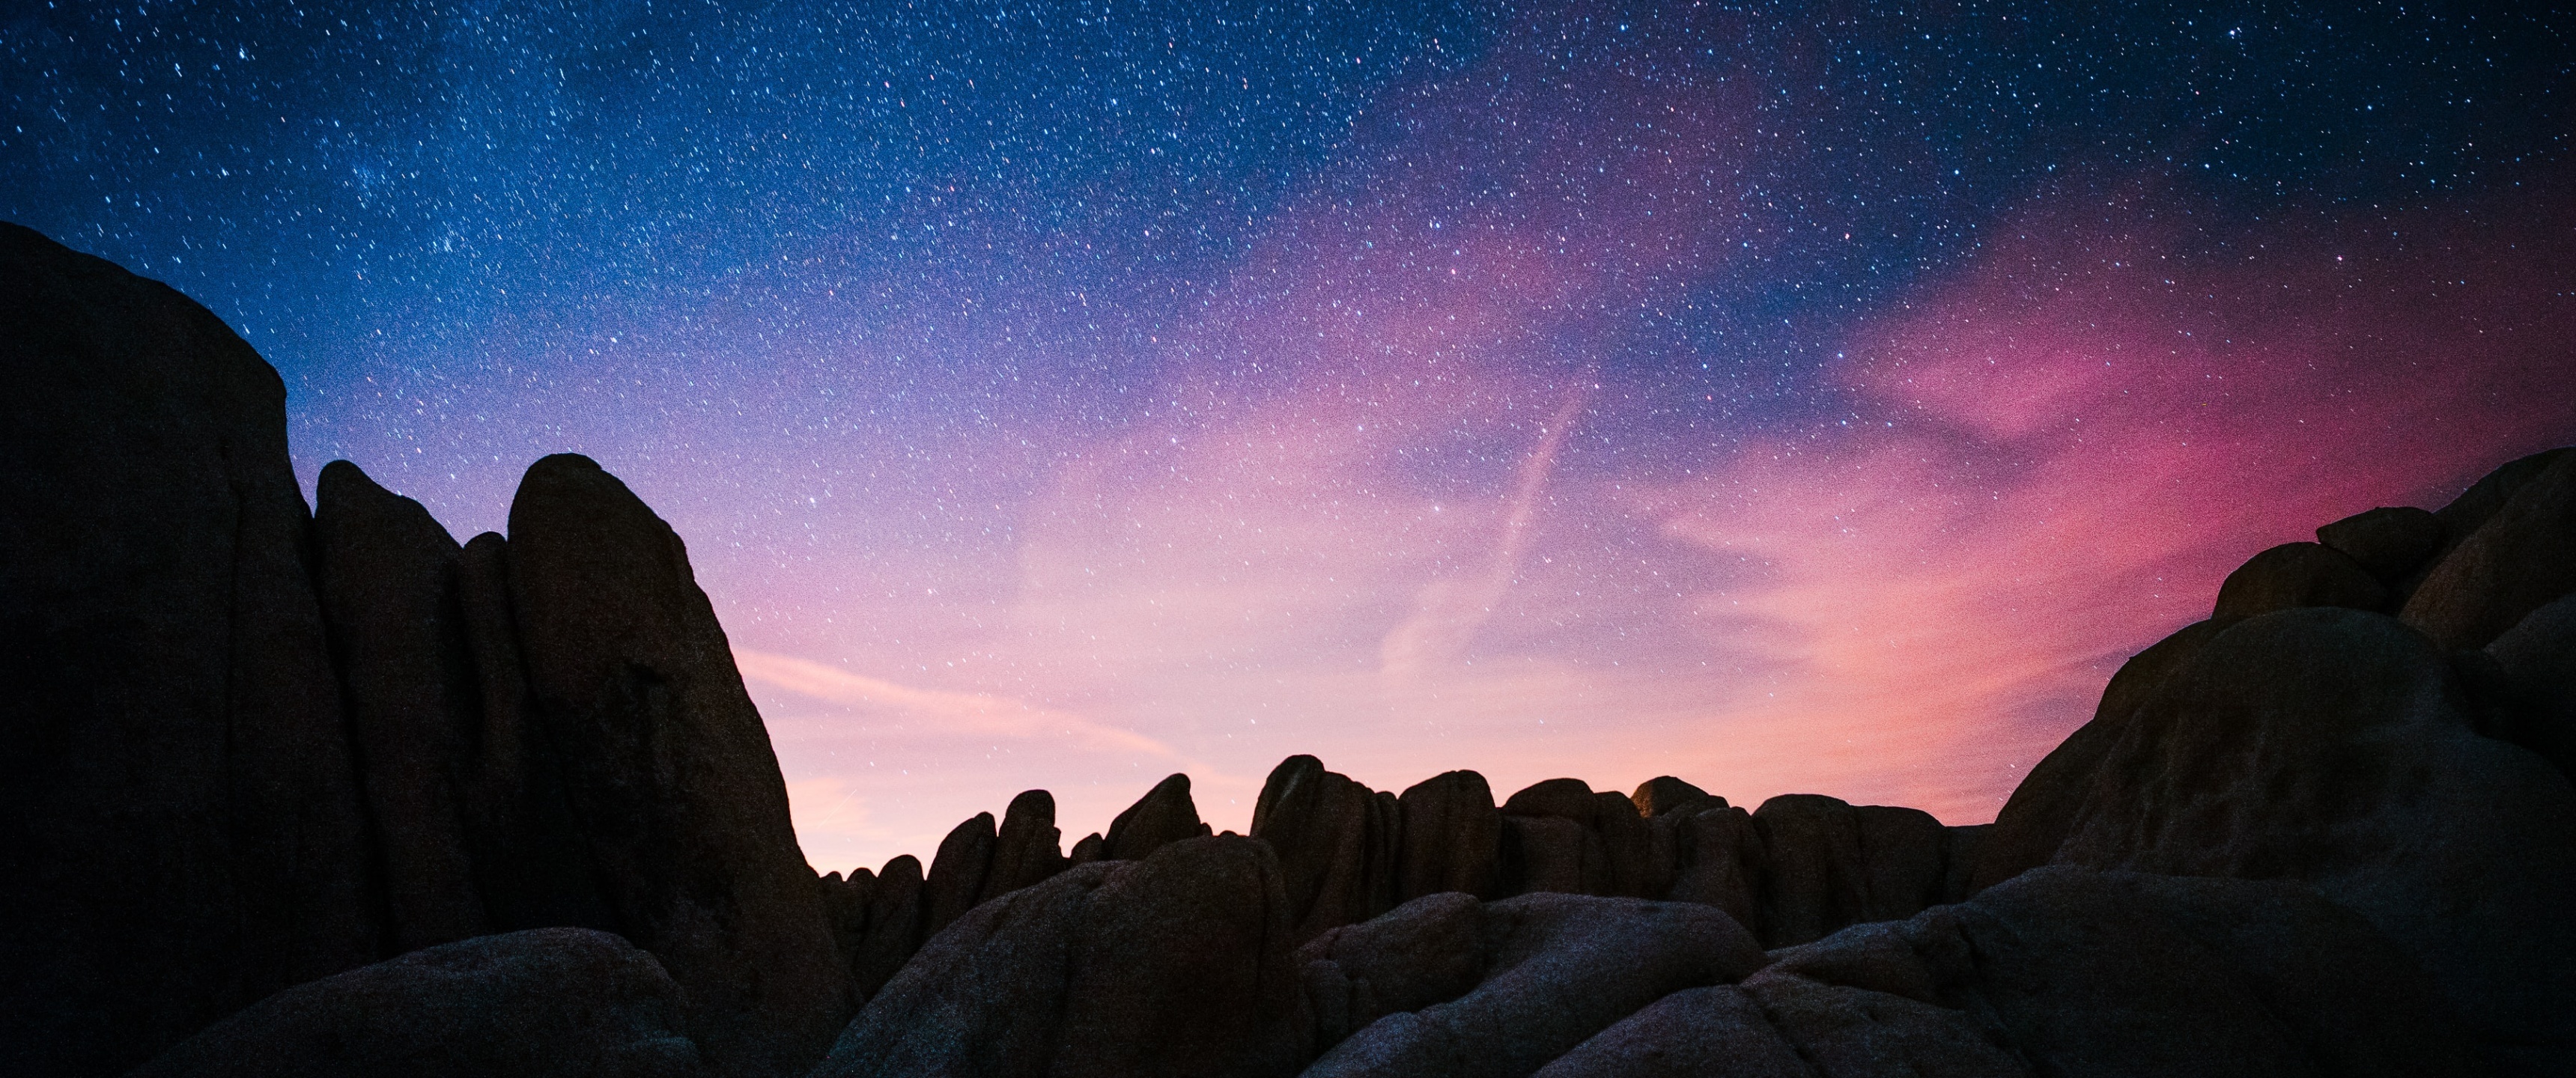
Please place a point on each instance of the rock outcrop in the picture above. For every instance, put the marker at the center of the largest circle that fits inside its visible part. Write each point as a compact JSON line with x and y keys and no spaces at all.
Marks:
{"x":1176,"y":964}
{"x":179,"y":812}
{"x":533,"y":1004}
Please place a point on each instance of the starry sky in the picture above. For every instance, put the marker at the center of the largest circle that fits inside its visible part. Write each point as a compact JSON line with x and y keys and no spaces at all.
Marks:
{"x":1789,"y":397}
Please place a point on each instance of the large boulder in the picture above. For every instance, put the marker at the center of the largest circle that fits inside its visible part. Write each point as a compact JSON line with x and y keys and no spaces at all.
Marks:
{"x":391,"y":600}
{"x":2042,"y":809}
{"x":180,"y":823}
{"x":1558,"y":969}
{"x":2066,"y":971}
{"x":1336,"y":841}
{"x":1430,"y":950}
{"x":1175,"y":964}
{"x":2519,"y":560}
{"x":1721,"y":862}
{"x":2388,"y":542}
{"x":1828,"y":863}
{"x":2337,"y":747}
{"x":539,"y":1003}
{"x":897,"y":912}
{"x":1452,"y":837}
{"x":1029,"y":848}
{"x":2294,"y":575}
{"x":667,"y":763}
{"x":957,"y":871}
{"x":2538,"y":659}
{"x":1163,"y":816}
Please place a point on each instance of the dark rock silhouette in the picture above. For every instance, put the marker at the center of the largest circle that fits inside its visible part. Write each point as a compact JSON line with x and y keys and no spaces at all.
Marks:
{"x":1163,"y":816}
{"x":2041,"y":811}
{"x":2295,"y":575}
{"x":392,"y":603}
{"x":2538,"y":659}
{"x":2388,"y":542}
{"x":897,"y":910}
{"x":668,"y":766}
{"x":1173,"y":965}
{"x":956,"y":880}
{"x":1029,"y":848}
{"x":2066,"y":971}
{"x":1336,"y":842}
{"x":179,"y":814}
{"x":1560,"y":969}
{"x":1452,"y":837}
{"x":539,"y":1003}
{"x":2520,"y":559}
{"x":1664,"y":793}
{"x":2334,"y":746}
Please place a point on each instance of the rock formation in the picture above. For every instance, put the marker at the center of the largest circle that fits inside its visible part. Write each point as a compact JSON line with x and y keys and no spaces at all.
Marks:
{"x":251,"y":750}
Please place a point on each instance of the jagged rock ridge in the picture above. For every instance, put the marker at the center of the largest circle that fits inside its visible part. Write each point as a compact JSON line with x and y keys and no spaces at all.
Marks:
{"x":2330,"y":829}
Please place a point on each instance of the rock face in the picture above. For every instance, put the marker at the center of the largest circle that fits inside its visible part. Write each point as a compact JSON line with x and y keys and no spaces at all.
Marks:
{"x":391,"y":599}
{"x":666,"y":761}
{"x":1336,"y":840}
{"x":1452,"y":837}
{"x":2295,"y":575}
{"x":2538,"y":658}
{"x":545,"y":1002}
{"x":1557,"y":969}
{"x":2064,"y":971}
{"x":2518,"y":560}
{"x":1173,"y":965}
{"x":2336,"y":747}
{"x":2388,"y":542}
{"x":179,"y":817}
{"x":1163,"y":816}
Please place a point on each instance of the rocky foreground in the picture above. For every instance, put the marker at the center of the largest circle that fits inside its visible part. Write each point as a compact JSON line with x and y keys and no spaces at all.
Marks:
{"x":288,"y":793}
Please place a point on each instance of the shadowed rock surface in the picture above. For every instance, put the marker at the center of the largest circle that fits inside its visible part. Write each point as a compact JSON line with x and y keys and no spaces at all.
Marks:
{"x":549,"y":1001}
{"x":669,"y":769}
{"x":1173,"y":965}
{"x":1163,"y":816}
{"x":391,"y":601}
{"x":1562,"y":968}
{"x":2520,"y":559}
{"x":1452,"y":835}
{"x":2538,"y":657}
{"x":1029,"y":848}
{"x":2041,"y":811}
{"x":2294,"y":575}
{"x":957,"y":872}
{"x":2335,"y":746}
{"x":1336,"y":841}
{"x":896,"y":912}
{"x":2388,"y":542}
{"x":179,"y":814}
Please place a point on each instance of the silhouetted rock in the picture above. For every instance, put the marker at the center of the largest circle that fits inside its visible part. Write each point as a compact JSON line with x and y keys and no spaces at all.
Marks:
{"x":390,"y":602}
{"x":1452,"y":834}
{"x":2078,"y":972}
{"x":1029,"y":848}
{"x":2334,"y":746}
{"x":1091,"y":848}
{"x":2476,"y":505}
{"x":2294,"y":575}
{"x":1664,"y":793}
{"x":1829,"y":864}
{"x":1563,"y":968}
{"x":957,"y":872}
{"x":1552,"y":854}
{"x":1638,"y":866}
{"x":2042,"y":809}
{"x":666,"y":762}
{"x":1336,"y":842}
{"x":532,"y":863}
{"x":1164,"y":815}
{"x":1565,"y":799}
{"x":545,"y":1002}
{"x":1721,"y":862}
{"x":1173,"y":965}
{"x":845,"y":906}
{"x":1963,"y":848}
{"x":2523,"y":557}
{"x":2387,"y":542}
{"x":1711,"y":1032}
{"x":2538,"y":656}
{"x":896,"y":912}
{"x":179,"y":815}
{"x":1429,"y":950}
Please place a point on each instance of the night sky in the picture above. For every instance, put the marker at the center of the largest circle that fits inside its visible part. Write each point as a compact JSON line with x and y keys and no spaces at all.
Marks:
{"x":1816,"y":398}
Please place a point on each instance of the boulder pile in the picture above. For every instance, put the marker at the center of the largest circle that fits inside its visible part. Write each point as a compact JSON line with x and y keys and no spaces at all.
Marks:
{"x":328,"y":792}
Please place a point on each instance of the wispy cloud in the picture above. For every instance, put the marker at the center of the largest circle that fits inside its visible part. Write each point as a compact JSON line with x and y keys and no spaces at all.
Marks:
{"x":959,"y":712}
